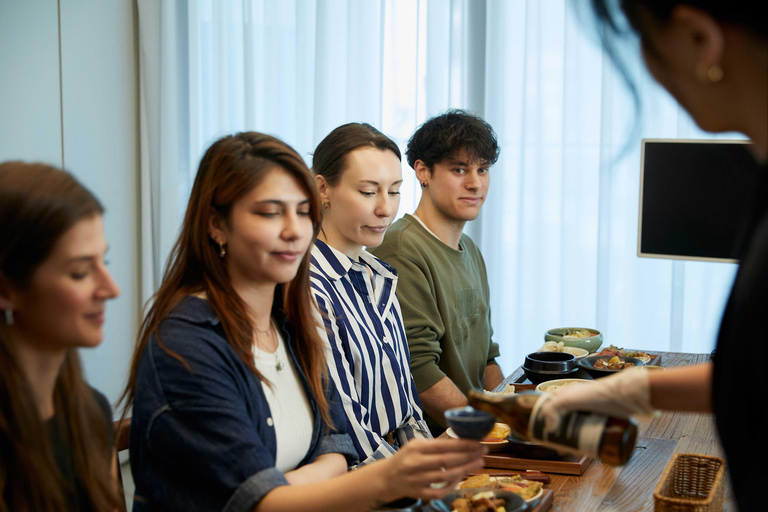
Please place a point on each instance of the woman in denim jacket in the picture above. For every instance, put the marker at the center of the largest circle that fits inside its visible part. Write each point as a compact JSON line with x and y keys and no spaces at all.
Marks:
{"x":231,"y":399}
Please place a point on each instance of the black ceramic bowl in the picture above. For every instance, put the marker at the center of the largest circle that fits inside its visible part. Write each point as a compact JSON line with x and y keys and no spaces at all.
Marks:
{"x":588,"y":364}
{"x":537,"y":376}
{"x":543,"y":366}
{"x":550,"y":361}
{"x":529,"y":449}
{"x":470,"y":423}
{"x":512,"y":502}
{"x":401,"y":505}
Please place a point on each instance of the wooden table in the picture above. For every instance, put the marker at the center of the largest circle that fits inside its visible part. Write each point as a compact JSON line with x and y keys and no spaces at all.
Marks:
{"x":630,"y":488}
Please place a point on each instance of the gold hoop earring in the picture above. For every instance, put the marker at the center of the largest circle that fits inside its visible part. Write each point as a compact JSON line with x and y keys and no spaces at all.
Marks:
{"x":326,"y":205}
{"x":222,"y":250}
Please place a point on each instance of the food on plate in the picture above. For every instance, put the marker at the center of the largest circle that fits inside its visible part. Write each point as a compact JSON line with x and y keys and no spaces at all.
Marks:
{"x":558,"y":386}
{"x":479,"y":502}
{"x":477,"y":481}
{"x":508,"y":390}
{"x":616,"y":351}
{"x":643,"y":356}
{"x":613,"y":364}
{"x":552,"y":346}
{"x":577,"y":334}
{"x":498,"y":434}
{"x":527,"y":489}
{"x":612,"y":350}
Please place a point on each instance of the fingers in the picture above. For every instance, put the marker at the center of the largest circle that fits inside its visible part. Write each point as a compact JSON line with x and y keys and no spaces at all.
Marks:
{"x":428,"y":459}
{"x":444,"y":445}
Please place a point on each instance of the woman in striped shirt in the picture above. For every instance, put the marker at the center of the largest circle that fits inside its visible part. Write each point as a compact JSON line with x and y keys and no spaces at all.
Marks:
{"x":357,"y":170}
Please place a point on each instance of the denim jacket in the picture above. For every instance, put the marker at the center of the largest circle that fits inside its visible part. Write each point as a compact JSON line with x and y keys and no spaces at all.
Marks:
{"x":202,"y":437}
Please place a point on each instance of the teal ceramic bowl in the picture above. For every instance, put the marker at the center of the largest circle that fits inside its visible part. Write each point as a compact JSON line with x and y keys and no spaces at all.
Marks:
{"x":590,"y":344}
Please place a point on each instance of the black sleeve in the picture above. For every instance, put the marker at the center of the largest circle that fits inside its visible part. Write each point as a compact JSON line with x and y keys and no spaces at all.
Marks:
{"x":106,"y":410}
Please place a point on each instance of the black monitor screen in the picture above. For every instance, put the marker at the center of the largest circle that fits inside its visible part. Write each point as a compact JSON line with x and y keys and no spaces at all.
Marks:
{"x":694,"y":197}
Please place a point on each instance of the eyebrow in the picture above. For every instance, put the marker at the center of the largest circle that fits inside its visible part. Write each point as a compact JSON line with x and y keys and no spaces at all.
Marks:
{"x":86,"y":258}
{"x":453,"y":161}
{"x":278,"y":202}
{"x":374,"y":182}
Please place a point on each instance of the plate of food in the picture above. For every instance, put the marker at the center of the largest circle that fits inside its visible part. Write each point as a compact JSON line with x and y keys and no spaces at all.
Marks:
{"x":601,"y":366}
{"x":560,"y":346}
{"x":551,"y":385}
{"x":480,"y":500}
{"x":613,"y":350}
{"x":496,"y":440}
{"x":526,"y":489}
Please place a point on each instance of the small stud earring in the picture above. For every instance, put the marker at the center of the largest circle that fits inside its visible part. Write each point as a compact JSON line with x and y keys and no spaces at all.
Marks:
{"x":711,"y":74}
{"x":222,"y":250}
{"x":9,"y":316}
{"x":423,"y":184}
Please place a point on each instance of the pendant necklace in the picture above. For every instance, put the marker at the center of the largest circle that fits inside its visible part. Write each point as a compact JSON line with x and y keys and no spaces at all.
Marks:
{"x":268,"y":331}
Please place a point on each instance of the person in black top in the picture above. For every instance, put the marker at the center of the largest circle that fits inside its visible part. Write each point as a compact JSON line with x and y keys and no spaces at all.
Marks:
{"x":712,"y":56}
{"x":55,"y":431}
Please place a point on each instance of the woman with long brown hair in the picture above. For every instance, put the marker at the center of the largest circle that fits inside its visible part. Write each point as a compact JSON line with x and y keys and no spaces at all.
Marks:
{"x":55,"y":431}
{"x":232,"y":405}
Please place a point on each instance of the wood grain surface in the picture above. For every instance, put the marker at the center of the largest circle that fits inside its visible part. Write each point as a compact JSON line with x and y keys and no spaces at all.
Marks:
{"x":630,"y":488}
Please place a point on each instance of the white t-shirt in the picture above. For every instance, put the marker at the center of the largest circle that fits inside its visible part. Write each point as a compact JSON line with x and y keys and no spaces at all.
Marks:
{"x":291,"y":412}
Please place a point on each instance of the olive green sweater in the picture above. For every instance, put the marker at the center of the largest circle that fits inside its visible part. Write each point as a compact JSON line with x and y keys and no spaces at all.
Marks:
{"x":445,"y":300}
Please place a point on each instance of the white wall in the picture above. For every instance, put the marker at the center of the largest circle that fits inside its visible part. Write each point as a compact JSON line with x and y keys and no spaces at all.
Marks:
{"x":95,"y":106}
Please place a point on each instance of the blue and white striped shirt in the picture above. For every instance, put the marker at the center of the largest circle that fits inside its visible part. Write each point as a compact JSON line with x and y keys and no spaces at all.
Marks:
{"x":367,"y":350}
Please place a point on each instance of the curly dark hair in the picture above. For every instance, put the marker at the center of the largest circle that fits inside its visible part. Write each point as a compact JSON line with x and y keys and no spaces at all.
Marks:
{"x":449,"y":133}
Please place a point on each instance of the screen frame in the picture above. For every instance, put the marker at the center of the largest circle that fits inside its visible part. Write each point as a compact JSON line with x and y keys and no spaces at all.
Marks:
{"x":641,"y":254}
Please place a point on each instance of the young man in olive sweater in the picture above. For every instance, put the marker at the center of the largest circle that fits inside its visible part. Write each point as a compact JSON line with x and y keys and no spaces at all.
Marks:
{"x":443,"y":286}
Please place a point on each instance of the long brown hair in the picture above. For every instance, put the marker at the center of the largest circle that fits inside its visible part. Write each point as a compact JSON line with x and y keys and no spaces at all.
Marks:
{"x":231,"y":168}
{"x":38,"y":204}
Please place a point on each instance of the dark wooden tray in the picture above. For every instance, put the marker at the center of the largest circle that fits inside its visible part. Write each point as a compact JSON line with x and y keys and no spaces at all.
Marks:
{"x":568,"y":465}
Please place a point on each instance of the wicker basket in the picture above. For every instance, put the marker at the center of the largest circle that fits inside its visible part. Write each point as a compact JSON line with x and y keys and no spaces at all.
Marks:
{"x":691,"y":482}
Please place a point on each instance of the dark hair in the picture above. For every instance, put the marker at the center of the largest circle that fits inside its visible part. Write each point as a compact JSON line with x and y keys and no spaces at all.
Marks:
{"x":38,"y":204}
{"x":746,"y":13}
{"x":449,"y":133}
{"x":612,"y":17}
{"x":330,"y":157}
{"x":231,"y":168}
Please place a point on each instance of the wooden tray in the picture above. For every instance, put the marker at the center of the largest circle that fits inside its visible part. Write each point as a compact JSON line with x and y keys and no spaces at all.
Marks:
{"x":570,"y":465}
{"x":547,"y":497}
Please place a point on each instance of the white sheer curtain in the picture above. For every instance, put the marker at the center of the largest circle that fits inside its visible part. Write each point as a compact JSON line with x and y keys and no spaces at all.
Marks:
{"x":559,"y":230}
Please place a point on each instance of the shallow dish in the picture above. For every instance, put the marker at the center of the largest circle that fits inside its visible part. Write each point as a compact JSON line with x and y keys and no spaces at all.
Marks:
{"x":495,"y":479}
{"x":576,"y":351}
{"x":470,"y":423}
{"x":512,"y":502}
{"x":590,"y":344}
{"x":544,"y":387}
{"x":588,"y":364}
{"x":493,"y":446}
